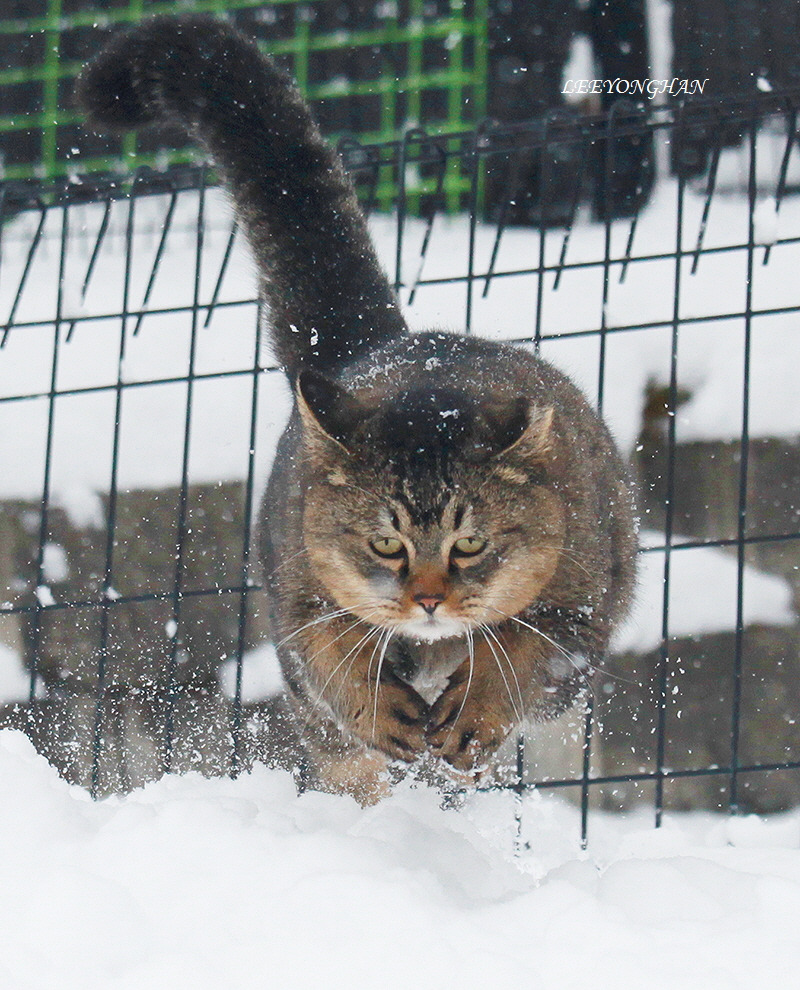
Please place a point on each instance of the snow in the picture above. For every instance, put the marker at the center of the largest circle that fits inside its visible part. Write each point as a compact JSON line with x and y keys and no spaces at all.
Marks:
{"x":55,"y":565}
{"x":45,"y":595}
{"x":153,"y":417}
{"x":580,"y":64}
{"x":711,"y":352}
{"x":82,"y":505}
{"x":15,"y":684}
{"x":765,"y":219}
{"x":703,"y":584}
{"x":261,"y":674}
{"x":191,"y":883}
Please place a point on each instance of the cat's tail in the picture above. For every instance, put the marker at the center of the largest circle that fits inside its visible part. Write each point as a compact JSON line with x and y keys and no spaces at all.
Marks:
{"x":328,"y":298}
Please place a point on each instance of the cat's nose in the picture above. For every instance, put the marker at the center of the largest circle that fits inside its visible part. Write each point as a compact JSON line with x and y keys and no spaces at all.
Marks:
{"x":429,"y":602}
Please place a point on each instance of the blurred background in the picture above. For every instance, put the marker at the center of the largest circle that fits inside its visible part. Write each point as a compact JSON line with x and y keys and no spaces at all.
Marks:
{"x":374,"y":70}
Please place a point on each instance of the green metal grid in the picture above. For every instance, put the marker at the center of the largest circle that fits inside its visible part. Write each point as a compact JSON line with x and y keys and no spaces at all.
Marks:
{"x":427,"y":67}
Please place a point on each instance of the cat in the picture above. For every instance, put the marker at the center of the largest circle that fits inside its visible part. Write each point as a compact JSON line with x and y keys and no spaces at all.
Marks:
{"x":448,"y":532}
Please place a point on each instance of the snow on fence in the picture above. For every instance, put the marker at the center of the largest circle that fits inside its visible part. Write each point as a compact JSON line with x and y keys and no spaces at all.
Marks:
{"x":139,"y":409}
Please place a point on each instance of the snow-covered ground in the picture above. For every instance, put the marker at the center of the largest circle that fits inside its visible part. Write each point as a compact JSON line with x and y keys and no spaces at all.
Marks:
{"x":193,"y":884}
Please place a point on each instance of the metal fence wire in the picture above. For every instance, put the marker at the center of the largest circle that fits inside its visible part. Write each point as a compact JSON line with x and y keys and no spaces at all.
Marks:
{"x":139,"y":409}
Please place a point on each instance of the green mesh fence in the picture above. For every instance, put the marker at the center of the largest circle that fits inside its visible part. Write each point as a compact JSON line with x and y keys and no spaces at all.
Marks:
{"x":372,"y":70}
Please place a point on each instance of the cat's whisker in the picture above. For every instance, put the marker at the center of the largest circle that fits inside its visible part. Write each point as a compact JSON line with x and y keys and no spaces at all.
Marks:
{"x":575,"y":553}
{"x":580,"y":667}
{"x":321,"y":698}
{"x":372,"y":657}
{"x":570,"y":656}
{"x":342,"y":661}
{"x":389,"y":634}
{"x":375,"y":604}
{"x":503,"y":650}
{"x":356,"y":622}
{"x":321,"y":693}
{"x":314,"y":622}
{"x":471,"y":656}
{"x":343,"y":679}
{"x":517,"y":714}
{"x":288,"y":560}
{"x":364,"y":491}
{"x":571,"y":554}
{"x":377,"y":680}
{"x":353,"y":652}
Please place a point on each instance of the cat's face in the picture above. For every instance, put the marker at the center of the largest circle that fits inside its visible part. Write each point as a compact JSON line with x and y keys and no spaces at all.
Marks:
{"x":436,"y":543}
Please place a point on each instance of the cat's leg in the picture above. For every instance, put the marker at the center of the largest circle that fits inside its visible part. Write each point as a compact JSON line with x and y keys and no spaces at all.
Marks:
{"x":303,"y":739}
{"x":342,"y":765}
{"x":362,"y":774}
{"x":350,"y":677}
{"x":516,"y":673}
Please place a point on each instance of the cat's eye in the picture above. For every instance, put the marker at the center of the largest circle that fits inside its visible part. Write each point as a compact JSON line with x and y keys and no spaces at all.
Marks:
{"x":468,"y":546}
{"x":388,"y":546}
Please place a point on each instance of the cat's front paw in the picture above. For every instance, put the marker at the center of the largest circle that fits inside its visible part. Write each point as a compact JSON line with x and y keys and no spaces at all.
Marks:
{"x":393,"y":719}
{"x":465,"y":725}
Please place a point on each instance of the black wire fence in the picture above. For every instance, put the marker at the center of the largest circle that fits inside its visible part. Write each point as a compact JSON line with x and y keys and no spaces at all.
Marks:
{"x":139,"y":407}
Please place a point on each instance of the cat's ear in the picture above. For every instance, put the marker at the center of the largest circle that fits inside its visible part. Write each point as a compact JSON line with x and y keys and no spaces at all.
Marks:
{"x":528,"y":430}
{"x":329,"y":413}
{"x":505,"y":420}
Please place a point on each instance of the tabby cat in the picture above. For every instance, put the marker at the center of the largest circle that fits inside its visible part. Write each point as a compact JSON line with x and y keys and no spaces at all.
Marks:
{"x":447,"y":534}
